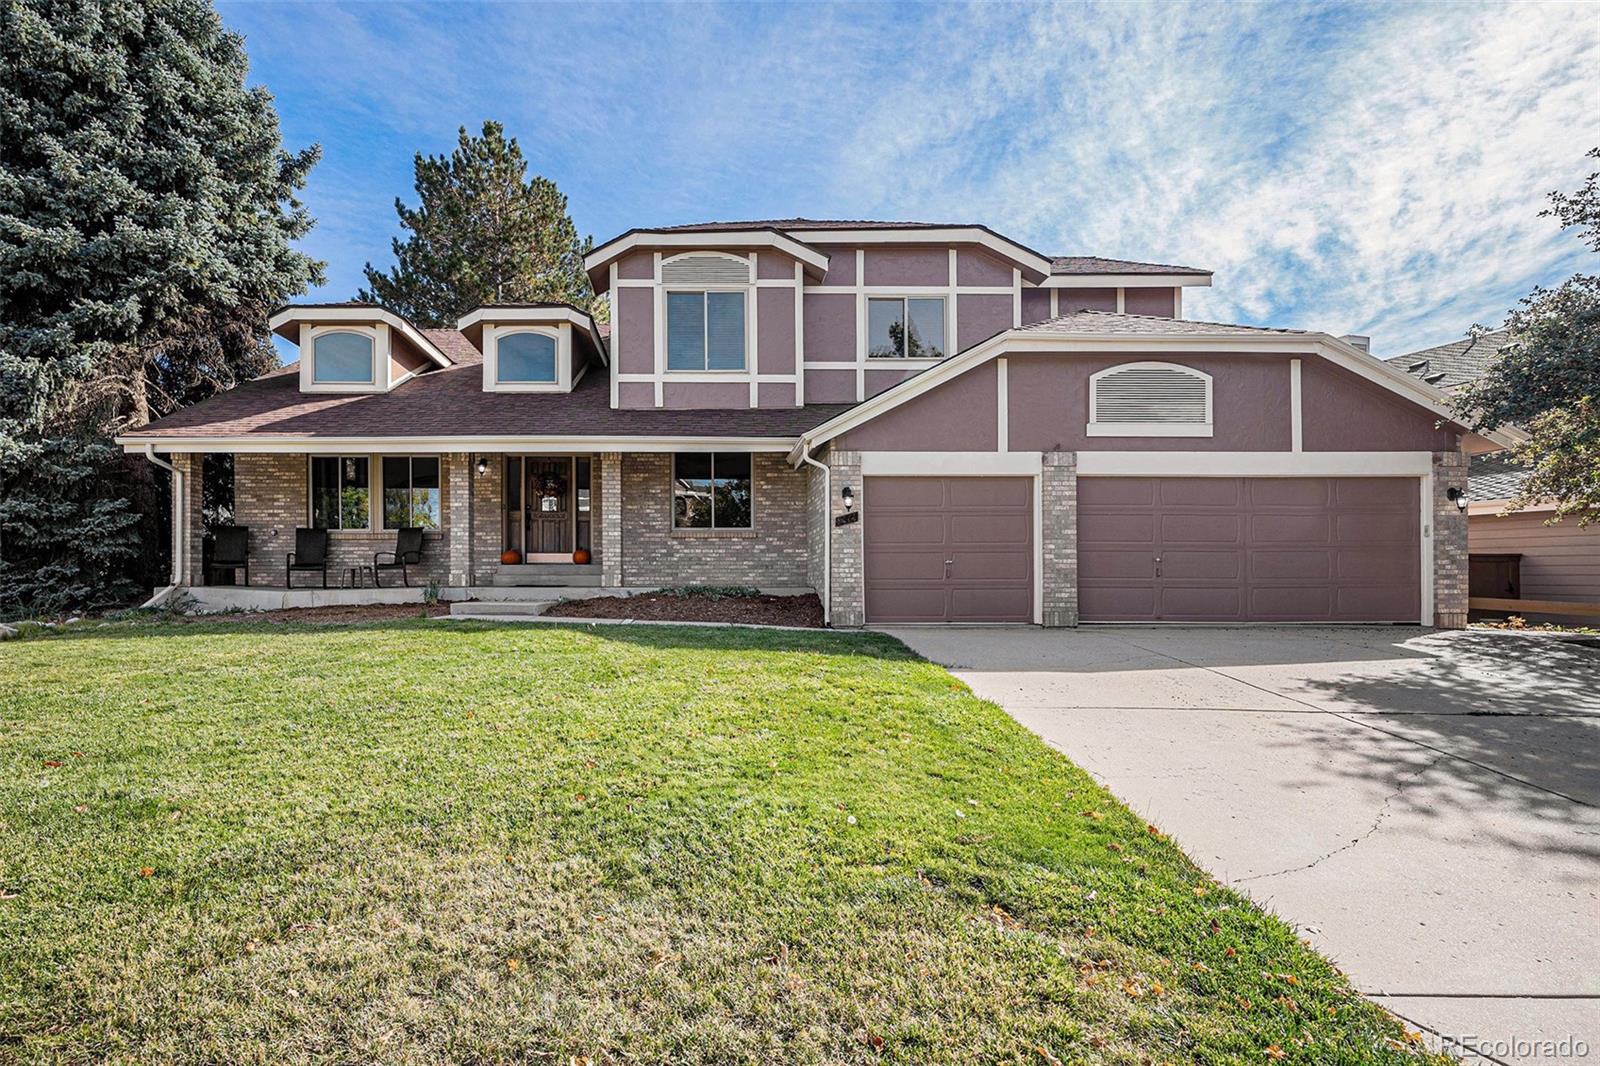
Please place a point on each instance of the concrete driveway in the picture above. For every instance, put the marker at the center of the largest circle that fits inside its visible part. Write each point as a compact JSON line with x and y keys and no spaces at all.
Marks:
{"x":1424,"y":806}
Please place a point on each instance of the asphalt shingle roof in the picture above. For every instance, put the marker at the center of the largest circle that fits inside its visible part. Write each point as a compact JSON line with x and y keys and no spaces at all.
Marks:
{"x":1494,"y":477}
{"x":1113,"y":324}
{"x":1449,"y":366}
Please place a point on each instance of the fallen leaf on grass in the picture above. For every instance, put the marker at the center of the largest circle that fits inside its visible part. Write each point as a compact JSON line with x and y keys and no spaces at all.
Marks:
{"x":1274,"y":1051}
{"x":52,"y":763}
{"x":1044,"y":1053}
{"x":513,"y":965}
{"x":145,"y":871}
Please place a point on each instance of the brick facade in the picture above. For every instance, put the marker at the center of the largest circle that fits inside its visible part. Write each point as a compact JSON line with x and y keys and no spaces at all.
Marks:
{"x":488,"y":517}
{"x":848,"y":586}
{"x":609,"y":521}
{"x":1449,"y":542}
{"x":1058,"y":511}
{"x":772,"y":554}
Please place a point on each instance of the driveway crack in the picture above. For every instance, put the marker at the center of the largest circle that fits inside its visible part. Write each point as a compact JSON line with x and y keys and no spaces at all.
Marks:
{"x":1377,"y":823}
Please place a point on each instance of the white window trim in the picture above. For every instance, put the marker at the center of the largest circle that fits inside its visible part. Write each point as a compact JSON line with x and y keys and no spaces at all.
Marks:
{"x":712,"y":530}
{"x":905,"y":316}
{"x":1097,"y":428}
{"x":666,"y":322}
{"x":380,"y":338}
{"x":560,"y":333}
{"x":383,"y":486}
{"x":372,"y":498}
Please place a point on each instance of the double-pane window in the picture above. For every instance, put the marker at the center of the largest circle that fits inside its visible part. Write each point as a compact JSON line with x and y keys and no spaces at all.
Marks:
{"x":340,"y":493}
{"x":410,"y":491}
{"x":705,"y":331}
{"x":711,"y":490}
{"x":905,"y":328}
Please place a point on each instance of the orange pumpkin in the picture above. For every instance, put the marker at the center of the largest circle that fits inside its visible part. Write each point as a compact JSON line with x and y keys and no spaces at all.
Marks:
{"x":581,"y":556}
{"x":511,"y":557}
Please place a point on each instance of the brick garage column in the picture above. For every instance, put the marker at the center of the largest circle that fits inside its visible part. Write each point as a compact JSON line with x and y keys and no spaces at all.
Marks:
{"x":488,"y":516}
{"x":847,"y":588}
{"x":1449,"y":542}
{"x":610,"y":471}
{"x":458,"y":506}
{"x":187,"y":520}
{"x":1058,"y":507}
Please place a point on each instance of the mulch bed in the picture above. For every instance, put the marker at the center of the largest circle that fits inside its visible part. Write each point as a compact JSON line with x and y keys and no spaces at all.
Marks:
{"x":369,"y":612}
{"x":659,"y":607}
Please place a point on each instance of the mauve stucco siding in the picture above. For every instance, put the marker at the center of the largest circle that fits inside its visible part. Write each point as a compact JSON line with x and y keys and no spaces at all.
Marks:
{"x":1072,"y":300}
{"x":830,"y":328}
{"x":880,"y":379}
{"x":830,"y":386}
{"x":974,"y":266}
{"x":404,"y":357}
{"x":637,"y":266}
{"x":908,"y":266}
{"x":959,"y":415}
{"x":1154,"y":302}
{"x":703,"y":394}
{"x":773,"y":265}
{"x":1049,"y":404}
{"x":1559,"y":562}
{"x":775,"y":394}
{"x":979,"y":317}
{"x":634,"y":342}
{"x":635,"y":394}
{"x":1345,"y":413}
{"x":841,"y":264}
{"x":1035,"y":305}
{"x":775,"y":331}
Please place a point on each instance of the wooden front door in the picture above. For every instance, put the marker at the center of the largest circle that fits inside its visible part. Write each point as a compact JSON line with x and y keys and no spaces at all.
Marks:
{"x":549,"y":511}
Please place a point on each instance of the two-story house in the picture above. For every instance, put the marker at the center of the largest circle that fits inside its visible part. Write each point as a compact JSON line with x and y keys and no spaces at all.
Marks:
{"x":923,"y":423}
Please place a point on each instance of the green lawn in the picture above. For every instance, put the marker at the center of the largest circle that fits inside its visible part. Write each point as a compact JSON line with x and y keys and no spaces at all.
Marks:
{"x":426,"y":841}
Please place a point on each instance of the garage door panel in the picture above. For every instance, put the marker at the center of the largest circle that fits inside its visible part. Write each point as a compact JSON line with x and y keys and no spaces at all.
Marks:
{"x":1212,"y":565}
{"x":986,"y":529}
{"x":1288,"y":549}
{"x":1308,"y":564}
{"x":948,"y":549}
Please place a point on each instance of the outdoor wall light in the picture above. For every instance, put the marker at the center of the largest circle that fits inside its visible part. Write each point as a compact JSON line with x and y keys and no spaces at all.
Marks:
{"x":1457,"y":497}
{"x":848,"y":495}
{"x":483,"y":464}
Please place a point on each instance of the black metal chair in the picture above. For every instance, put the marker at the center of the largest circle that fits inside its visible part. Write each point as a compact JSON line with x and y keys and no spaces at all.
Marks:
{"x":310,"y":555}
{"x":407,"y":552}
{"x":230,"y":553}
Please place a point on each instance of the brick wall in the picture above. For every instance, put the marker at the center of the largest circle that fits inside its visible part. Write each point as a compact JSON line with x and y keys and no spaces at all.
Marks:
{"x":1449,"y":542}
{"x":192,"y":544}
{"x":1058,"y":506}
{"x":488,"y":533}
{"x":608,"y":522}
{"x":848,"y":587}
{"x":772,"y":554}
{"x":271,"y":496}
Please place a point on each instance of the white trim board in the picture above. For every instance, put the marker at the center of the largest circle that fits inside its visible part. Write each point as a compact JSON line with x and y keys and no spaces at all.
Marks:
{"x":707,"y":240}
{"x":295,"y":315}
{"x":559,"y":445}
{"x":951,"y":464}
{"x":1254,"y":464}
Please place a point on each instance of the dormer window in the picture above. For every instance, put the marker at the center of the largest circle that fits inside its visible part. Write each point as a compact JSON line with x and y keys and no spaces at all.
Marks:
{"x":1149,"y":400}
{"x":343,"y":357}
{"x":526,"y":358}
{"x":705,"y":331}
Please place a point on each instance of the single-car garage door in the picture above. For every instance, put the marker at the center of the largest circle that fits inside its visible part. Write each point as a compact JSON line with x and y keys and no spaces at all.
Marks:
{"x":948,"y":549}
{"x":1249,"y":549}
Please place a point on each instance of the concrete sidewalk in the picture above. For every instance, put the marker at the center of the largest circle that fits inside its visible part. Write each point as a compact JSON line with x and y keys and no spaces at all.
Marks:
{"x":1425,"y":806}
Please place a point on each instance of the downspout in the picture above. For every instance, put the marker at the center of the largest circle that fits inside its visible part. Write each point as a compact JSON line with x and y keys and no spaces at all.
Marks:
{"x":827,"y":529}
{"x":179,"y":512}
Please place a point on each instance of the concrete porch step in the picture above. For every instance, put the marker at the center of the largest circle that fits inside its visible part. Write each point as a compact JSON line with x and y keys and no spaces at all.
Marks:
{"x":500,"y":608}
{"x":547,"y":574}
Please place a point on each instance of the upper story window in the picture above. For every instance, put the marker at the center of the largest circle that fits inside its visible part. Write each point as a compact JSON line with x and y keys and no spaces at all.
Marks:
{"x":410,"y":491}
{"x":711,"y":490}
{"x":341,"y":496}
{"x":1149,"y":400}
{"x":526,"y":358}
{"x":905,"y":328}
{"x":705,"y":331}
{"x":343,"y":357}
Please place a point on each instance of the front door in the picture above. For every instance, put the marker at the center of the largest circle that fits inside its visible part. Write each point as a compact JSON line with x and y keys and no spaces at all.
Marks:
{"x":549,"y":510}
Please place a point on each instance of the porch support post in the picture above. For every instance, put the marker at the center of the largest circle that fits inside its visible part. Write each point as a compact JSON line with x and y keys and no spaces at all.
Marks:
{"x":188,"y":525}
{"x":611,"y":519}
{"x":459,"y":490}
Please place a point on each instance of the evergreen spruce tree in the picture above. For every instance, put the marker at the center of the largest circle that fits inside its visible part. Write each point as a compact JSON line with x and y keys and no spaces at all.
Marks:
{"x":147,"y":210}
{"x":483,"y":232}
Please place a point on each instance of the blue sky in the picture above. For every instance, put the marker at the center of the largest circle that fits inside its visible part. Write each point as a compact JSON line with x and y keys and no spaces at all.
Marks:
{"x":1351,"y":168}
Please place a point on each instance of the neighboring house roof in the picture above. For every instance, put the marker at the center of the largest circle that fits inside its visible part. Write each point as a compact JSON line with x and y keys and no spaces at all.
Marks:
{"x":450,"y":402}
{"x":1494,"y":477}
{"x":1094,"y":264}
{"x":1450,"y":366}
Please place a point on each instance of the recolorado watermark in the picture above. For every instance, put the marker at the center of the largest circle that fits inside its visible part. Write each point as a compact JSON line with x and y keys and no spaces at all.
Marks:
{"x":1567,"y":1048}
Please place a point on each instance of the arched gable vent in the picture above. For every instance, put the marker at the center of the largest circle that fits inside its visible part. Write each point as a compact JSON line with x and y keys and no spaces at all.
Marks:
{"x":1149,"y":400}
{"x":705,"y":268}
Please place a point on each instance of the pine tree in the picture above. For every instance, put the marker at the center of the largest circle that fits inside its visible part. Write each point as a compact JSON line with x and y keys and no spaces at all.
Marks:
{"x":147,"y":210}
{"x":483,"y":233}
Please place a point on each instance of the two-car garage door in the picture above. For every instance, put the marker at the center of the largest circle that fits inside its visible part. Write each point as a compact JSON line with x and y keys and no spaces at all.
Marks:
{"x":1213,"y":549}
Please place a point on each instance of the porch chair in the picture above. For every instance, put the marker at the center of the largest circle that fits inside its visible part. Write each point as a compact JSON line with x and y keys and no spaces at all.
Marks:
{"x":407,"y":552}
{"x":310,"y":554}
{"x":230,"y":553}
